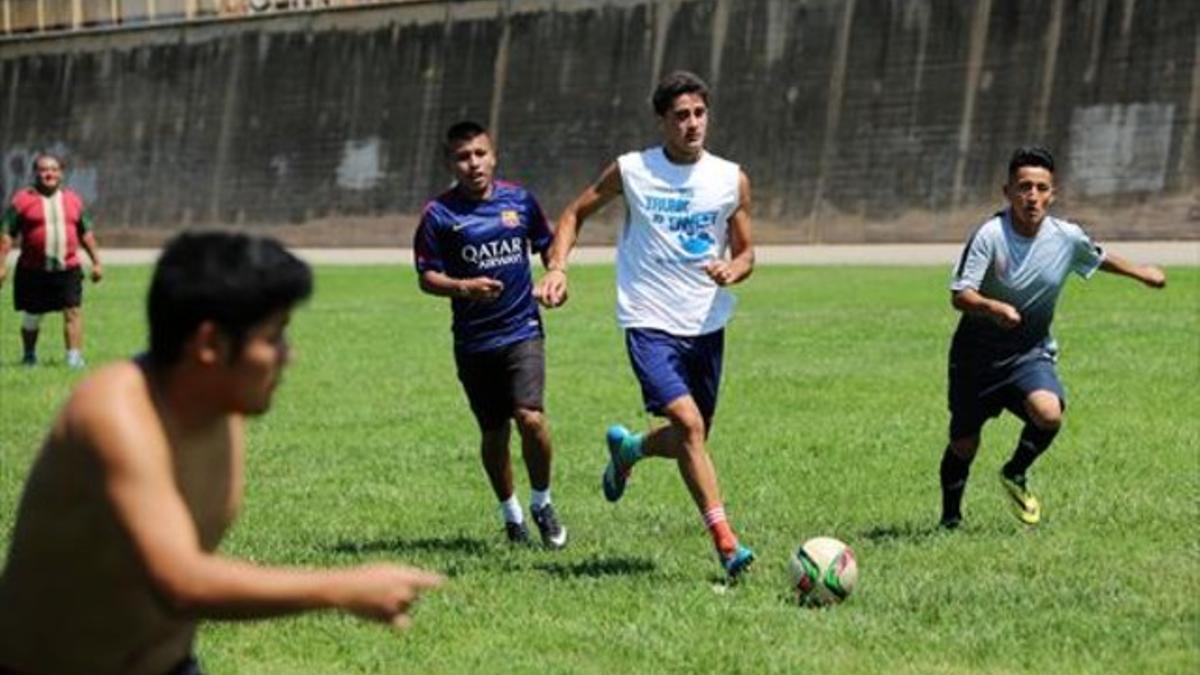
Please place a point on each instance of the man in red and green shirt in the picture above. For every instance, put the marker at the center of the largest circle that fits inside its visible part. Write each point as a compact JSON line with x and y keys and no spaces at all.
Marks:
{"x":52,"y":225}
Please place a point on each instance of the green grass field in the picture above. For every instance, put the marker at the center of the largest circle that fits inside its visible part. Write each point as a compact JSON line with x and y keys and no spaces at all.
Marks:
{"x":832,"y":421}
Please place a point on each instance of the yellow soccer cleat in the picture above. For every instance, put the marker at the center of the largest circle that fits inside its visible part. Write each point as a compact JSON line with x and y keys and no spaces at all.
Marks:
{"x":1025,"y":506}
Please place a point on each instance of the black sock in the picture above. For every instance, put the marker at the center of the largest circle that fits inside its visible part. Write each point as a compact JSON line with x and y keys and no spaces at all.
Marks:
{"x":1034,"y":442}
{"x":954,"y":472}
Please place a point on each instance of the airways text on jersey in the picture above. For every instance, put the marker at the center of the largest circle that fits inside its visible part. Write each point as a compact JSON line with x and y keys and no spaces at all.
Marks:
{"x":496,"y":253}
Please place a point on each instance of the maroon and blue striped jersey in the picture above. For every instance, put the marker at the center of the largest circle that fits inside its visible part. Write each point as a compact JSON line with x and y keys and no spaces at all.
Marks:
{"x":463,"y":239}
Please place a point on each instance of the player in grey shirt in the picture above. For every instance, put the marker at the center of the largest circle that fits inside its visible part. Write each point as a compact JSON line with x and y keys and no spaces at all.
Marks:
{"x":1002,"y":356}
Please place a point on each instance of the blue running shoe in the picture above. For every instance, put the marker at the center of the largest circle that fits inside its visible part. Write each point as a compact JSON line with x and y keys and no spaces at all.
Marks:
{"x":616,"y":473}
{"x":738,"y":562}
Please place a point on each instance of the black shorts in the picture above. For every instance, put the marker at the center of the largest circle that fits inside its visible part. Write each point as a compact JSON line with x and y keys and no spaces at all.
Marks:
{"x":981,"y":389}
{"x":38,"y":291}
{"x":499,"y":381}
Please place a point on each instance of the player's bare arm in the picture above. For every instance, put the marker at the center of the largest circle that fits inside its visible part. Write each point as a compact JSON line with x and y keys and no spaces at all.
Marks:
{"x":7,"y":220}
{"x":6,"y":244}
{"x":551,"y":290}
{"x":1150,"y":275}
{"x":88,"y":242}
{"x":971,"y":301}
{"x":741,"y":247}
{"x":111,"y":416}
{"x":485,"y":289}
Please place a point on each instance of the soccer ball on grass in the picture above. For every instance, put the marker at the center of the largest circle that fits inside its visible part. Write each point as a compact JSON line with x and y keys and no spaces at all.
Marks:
{"x":823,"y":571}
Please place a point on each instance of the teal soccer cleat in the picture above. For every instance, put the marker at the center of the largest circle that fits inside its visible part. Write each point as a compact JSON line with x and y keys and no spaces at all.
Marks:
{"x":737,"y":563}
{"x":616,"y":473}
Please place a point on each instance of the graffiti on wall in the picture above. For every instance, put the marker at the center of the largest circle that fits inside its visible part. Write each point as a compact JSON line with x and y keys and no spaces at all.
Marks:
{"x":1118,"y":148}
{"x":265,"y":6}
{"x":284,"y":5}
{"x":360,"y":166}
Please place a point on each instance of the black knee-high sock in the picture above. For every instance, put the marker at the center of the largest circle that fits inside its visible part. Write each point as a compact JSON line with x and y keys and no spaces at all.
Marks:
{"x":954,"y":472}
{"x":1034,"y":442}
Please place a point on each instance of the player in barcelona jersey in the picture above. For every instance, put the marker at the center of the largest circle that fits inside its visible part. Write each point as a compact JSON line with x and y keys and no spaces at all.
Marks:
{"x":473,"y":246}
{"x":52,"y":225}
{"x":1002,"y":356}
{"x":685,"y":208}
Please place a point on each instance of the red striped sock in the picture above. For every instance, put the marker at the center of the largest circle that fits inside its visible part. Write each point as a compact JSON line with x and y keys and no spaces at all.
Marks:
{"x":722,"y":535}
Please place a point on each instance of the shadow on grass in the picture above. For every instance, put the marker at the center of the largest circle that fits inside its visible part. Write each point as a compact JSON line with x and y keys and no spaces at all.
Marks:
{"x":459,"y":545}
{"x":597,"y":567}
{"x":902,"y":532}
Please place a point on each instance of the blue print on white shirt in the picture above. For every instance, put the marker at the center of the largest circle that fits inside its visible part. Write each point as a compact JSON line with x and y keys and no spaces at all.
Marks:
{"x":692,"y":230}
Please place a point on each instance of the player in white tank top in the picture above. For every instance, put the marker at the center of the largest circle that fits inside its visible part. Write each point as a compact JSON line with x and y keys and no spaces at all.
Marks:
{"x":686,"y":207}
{"x":677,"y":223}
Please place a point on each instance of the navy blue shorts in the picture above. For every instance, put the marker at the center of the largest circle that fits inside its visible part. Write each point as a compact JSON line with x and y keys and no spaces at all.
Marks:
{"x":980,"y":390}
{"x":671,"y":366}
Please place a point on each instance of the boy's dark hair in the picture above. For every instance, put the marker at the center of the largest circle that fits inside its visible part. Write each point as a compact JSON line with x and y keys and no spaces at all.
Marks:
{"x":675,"y":84}
{"x":460,"y":132}
{"x":233,"y":280}
{"x":40,"y":155}
{"x":1030,"y":155}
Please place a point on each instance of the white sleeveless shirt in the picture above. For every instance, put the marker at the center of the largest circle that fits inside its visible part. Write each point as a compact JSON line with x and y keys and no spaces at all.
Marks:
{"x":677,"y":220}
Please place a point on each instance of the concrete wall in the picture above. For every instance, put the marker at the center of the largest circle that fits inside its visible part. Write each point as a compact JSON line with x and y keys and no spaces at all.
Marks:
{"x":857,"y":120}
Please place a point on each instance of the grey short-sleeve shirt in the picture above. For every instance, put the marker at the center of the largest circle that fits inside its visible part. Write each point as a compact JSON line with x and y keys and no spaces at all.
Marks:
{"x":1025,"y":272}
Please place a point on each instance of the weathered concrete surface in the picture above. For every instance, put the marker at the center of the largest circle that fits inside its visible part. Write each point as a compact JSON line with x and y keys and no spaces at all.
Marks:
{"x":857,"y":120}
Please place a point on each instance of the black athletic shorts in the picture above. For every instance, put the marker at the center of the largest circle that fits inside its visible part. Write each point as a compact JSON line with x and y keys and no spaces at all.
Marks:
{"x":499,"y":381}
{"x":38,"y":291}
